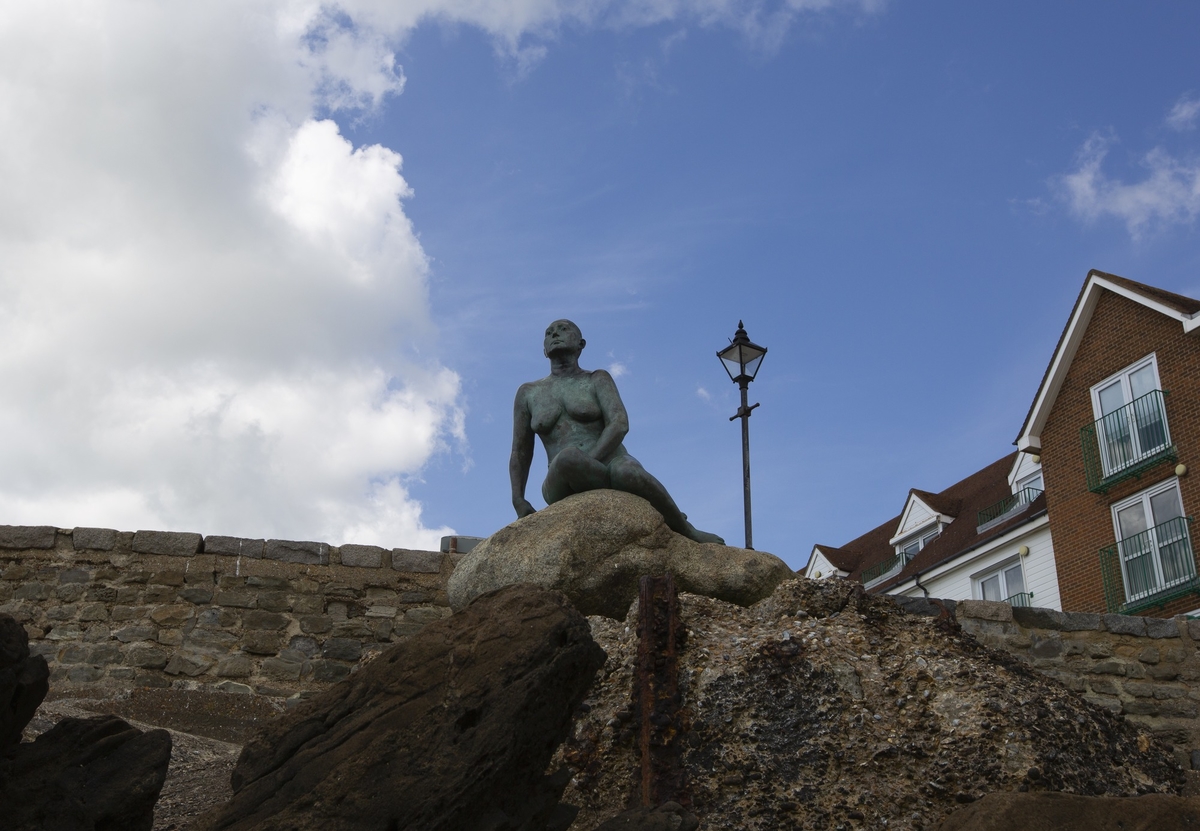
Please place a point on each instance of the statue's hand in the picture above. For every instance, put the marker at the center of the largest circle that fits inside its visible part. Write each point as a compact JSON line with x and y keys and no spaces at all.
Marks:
{"x":523,"y":507}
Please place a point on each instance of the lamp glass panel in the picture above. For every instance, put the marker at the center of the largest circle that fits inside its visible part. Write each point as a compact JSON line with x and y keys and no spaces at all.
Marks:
{"x":752,"y":364}
{"x":731,"y":366}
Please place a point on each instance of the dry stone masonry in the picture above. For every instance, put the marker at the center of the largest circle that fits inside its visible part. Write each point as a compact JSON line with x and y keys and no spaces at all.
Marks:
{"x":121,"y":609}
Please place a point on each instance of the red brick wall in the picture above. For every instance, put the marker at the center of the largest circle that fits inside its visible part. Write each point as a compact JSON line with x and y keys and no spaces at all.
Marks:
{"x":1120,"y":333}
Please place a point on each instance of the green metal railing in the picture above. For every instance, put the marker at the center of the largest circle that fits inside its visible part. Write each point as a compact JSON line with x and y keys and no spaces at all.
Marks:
{"x":878,"y":570}
{"x":1127,"y":442}
{"x":1020,"y":599}
{"x":1010,"y":504}
{"x":1151,"y":568}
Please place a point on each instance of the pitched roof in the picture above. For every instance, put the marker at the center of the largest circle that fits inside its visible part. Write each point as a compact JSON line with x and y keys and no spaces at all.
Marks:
{"x":980,"y":490}
{"x":1184,"y":305}
{"x":948,"y":505}
{"x":843,"y":559}
{"x":1184,"y":309}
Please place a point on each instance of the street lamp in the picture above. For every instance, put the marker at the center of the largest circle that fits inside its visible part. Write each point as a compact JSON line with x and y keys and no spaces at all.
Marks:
{"x":741,"y":360}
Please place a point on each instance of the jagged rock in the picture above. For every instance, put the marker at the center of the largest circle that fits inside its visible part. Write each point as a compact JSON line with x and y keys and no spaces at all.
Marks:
{"x":451,"y":730}
{"x":856,"y":715}
{"x":88,"y":774}
{"x":24,"y":681}
{"x":594,"y":546}
{"x":1068,"y":812}
{"x":670,"y":816}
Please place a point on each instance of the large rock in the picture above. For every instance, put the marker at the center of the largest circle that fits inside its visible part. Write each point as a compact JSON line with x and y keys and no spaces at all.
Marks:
{"x":1068,"y":812}
{"x":824,"y":707}
{"x":84,"y":775}
{"x":451,"y":730}
{"x":594,"y":546}
{"x":24,"y":681}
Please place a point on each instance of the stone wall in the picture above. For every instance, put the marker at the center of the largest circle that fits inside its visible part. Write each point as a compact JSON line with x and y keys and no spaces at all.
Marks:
{"x":1146,"y":669}
{"x":114,"y":610}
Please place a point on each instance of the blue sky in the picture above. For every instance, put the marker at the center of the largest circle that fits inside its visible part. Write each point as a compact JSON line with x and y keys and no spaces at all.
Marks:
{"x":900,"y":200}
{"x":876,"y":199}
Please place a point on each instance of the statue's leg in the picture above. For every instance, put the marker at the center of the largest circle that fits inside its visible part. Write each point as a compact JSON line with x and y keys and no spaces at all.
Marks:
{"x":573,"y":471}
{"x":627,"y":474}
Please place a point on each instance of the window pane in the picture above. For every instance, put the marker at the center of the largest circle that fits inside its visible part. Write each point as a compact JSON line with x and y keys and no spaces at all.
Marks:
{"x":927,"y":540}
{"x":909,"y":551}
{"x":991,"y":588}
{"x":1014,"y":582}
{"x":1031,"y":482}
{"x":1165,"y":506}
{"x":1112,"y":398}
{"x":1142,"y":381}
{"x":1132,"y":520}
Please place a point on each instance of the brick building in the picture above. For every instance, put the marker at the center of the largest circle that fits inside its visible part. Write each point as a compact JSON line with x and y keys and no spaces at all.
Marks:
{"x":1114,"y":424}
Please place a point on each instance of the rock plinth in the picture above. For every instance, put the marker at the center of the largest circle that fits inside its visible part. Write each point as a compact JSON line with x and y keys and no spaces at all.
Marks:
{"x":451,"y":730}
{"x":825,"y":707}
{"x":594,"y":546}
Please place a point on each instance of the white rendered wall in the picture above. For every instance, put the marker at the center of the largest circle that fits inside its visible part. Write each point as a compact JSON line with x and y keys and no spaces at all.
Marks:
{"x":953,"y":581}
{"x":1022,"y":467}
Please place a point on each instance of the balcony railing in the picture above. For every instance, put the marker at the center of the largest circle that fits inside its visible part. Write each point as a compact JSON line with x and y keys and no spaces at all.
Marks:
{"x":1127,"y":442}
{"x":1009,"y":506}
{"x":1020,"y":599}
{"x":1151,"y":568}
{"x":880,"y":570}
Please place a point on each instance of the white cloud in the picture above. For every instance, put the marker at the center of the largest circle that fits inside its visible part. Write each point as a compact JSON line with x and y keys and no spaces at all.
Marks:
{"x":703,"y":394}
{"x":211,"y":300}
{"x":210,"y":296}
{"x":1185,"y":113}
{"x":617,"y":369}
{"x":1168,"y":195}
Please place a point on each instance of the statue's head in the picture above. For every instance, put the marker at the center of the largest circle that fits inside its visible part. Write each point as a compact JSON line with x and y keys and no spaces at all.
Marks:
{"x":563,"y":336}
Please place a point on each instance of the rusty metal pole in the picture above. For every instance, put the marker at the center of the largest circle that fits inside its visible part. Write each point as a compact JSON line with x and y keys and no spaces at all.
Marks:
{"x":660,"y":636}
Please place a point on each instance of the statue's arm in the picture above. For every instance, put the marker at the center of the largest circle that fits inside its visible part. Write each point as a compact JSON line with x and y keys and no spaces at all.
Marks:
{"x":616,"y":420}
{"x":522,"y":453}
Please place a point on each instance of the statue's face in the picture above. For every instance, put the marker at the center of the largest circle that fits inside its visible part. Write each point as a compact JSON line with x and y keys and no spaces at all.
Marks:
{"x":563,"y":336}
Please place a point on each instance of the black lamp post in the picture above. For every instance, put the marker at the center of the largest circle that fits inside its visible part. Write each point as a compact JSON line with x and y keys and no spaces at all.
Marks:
{"x":741,"y":360}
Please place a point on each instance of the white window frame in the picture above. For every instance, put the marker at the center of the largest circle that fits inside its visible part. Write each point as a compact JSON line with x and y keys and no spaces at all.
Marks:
{"x":922,"y":538}
{"x":1156,"y":552}
{"x":1107,"y":464}
{"x":999,"y":569}
{"x":1028,"y":482}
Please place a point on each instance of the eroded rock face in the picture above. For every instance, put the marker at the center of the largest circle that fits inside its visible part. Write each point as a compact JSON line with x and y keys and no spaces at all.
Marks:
{"x":594,"y":546}
{"x":823,"y":707}
{"x":1069,"y":812}
{"x":24,"y":681}
{"x":84,"y":774}
{"x":451,"y":730}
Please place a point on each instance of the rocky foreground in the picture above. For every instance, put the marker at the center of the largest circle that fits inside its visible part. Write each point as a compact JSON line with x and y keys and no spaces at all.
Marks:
{"x":826,"y":708}
{"x":817,"y":708}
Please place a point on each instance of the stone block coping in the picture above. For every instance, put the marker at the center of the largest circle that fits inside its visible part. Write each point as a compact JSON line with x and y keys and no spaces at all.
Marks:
{"x":234,"y":547}
{"x":27,"y":536}
{"x":188,"y":544}
{"x":175,"y":543}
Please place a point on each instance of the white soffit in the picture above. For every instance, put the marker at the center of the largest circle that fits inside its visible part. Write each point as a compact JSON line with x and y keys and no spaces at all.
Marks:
{"x":1030,"y":439}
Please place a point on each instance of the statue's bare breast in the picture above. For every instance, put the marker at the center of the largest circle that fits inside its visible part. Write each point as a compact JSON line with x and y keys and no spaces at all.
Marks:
{"x":553,"y":401}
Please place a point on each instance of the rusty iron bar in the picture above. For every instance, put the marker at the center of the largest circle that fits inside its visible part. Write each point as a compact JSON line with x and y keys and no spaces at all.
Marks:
{"x":657,"y":700}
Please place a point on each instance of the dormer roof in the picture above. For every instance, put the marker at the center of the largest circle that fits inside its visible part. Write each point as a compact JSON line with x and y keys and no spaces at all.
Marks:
{"x":963,"y":499}
{"x":921,"y":509}
{"x":1184,"y":309}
